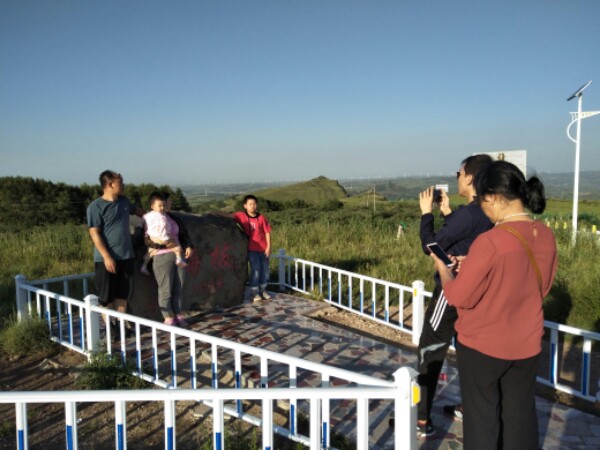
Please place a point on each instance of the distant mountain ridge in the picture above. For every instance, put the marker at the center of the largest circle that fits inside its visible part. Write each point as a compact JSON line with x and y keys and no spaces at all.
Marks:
{"x":557,"y":185}
{"x":322,"y":189}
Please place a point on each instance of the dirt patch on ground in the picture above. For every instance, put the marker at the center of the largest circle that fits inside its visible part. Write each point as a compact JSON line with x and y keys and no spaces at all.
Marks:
{"x":58,"y":370}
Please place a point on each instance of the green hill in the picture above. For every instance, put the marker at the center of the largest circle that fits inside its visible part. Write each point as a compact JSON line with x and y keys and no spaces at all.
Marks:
{"x":316,"y":191}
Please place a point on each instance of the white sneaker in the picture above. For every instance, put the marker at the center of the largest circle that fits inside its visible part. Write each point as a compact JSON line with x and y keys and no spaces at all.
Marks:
{"x":265,"y":295}
{"x":256,"y":298}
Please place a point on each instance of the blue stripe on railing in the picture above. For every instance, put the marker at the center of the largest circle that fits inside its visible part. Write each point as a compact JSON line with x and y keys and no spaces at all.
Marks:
{"x":362,"y":300}
{"x":584,"y":373}
{"x":292,"y":421}
{"x":120,"y":437}
{"x":192,"y":372}
{"x":49,"y":320}
{"x":349,"y":295}
{"x":21,"y":439}
{"x":219,"y":440}
{"x":238,"y":385}
{"x":170,"y":443}
{"x":324,"y":437}
{"x":82,"y":331}
{"x":70,"y":322}
{"x":59,"y":321}
{"x":69,"y":432}
{"x":552,"y":366}
{"x":173,"y":368}
{"x":213,"y":369}
{"x":155,"y":362}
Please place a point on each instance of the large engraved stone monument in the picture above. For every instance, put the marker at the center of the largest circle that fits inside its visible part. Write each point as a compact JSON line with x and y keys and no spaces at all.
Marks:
{"x":216,"y":272}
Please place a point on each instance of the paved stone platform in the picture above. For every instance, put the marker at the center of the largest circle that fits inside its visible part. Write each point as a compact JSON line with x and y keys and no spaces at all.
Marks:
{"x":281,"y":325}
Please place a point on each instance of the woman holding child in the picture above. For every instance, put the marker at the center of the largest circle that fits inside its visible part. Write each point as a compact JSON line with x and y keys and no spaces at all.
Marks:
{"x":167,"y":250}
{"x":498,"y":291}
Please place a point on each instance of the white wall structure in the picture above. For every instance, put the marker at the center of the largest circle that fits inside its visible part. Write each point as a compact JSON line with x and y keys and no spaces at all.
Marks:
{"x":517,"y":157}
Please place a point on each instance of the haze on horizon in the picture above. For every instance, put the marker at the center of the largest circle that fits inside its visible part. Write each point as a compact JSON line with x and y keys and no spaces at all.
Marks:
{"x":189,"y":93}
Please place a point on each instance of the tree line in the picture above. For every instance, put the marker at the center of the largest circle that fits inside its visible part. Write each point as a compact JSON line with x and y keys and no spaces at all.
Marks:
{"x":27,"y":202}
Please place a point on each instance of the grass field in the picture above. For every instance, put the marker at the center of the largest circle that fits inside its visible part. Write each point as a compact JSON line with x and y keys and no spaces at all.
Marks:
{"x":358,"y":237}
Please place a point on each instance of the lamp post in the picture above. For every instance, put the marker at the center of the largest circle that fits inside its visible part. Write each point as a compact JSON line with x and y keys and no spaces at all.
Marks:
{"x":577,"y":117}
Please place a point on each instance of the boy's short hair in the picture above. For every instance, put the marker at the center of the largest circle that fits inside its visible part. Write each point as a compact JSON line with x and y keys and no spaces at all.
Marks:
{"x":155,"y":195}
{"x":250,"y":197}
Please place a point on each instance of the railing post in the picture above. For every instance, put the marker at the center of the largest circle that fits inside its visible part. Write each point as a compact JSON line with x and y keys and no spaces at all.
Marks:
{"x":267,"y":424}
{"x":325,"y":408}
{"x":92,"y":324}
{"x":169,"y":425}
{"x":281,"y":269}
{"x":362,"y":424}
{"x":120,"y":426}
{"x":21,"y":296}
{"x":22,"y":432}
{"x":71,"y":425}
{"x":585,"y":369}
{"x":315,"y":423}
{"x":418,"y":310}
{"x":218,"y":433}
{"x":553,"y":355}
{"x":294,"y":403}
{"x":405,"y":408}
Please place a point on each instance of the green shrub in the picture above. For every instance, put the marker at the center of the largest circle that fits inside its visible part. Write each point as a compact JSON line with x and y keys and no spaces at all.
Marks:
{"x":25,"y":338}
{"x":7,"y":429}
{"x":104,"y":371}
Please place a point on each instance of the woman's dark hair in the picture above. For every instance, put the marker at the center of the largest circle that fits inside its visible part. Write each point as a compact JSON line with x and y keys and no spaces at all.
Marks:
{"x":476,"y":163}
{"x":504,"y":178}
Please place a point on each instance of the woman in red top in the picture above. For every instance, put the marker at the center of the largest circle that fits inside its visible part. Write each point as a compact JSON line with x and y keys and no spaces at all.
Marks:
{"x":498,"y":293}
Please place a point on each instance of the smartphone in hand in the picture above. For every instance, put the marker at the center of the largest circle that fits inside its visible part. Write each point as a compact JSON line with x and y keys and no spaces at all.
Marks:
{"x":438,"y":251}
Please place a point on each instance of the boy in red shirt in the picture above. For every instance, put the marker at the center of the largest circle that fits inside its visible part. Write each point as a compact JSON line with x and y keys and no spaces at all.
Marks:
{"x":258,"y":230}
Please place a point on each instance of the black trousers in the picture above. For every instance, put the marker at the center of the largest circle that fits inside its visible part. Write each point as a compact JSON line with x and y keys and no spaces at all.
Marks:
{"x":498,"y":398}
{"x":438,"y":331}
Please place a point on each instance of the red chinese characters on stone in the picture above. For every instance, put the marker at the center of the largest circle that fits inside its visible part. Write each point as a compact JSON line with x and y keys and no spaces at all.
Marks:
{"x":220,"y":257}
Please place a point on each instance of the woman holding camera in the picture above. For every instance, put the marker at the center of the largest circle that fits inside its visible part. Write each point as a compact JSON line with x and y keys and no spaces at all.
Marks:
{"x":498,"y":292}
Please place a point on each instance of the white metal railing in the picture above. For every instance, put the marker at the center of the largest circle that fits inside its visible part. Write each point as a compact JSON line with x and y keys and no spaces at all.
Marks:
{"x":590,"y":340}
{"x":62,"y":313}
{"x":404,"y":424}
{"x":368,"y":297}
{"x":77,"y":325}
{"x":337,"y":286}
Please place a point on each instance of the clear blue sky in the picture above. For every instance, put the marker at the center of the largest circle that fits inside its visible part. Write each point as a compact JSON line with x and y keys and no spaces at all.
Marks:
{"x":188,"y":92}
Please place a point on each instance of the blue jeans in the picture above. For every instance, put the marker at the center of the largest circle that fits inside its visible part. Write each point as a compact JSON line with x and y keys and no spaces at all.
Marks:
{"x":259,"y":270}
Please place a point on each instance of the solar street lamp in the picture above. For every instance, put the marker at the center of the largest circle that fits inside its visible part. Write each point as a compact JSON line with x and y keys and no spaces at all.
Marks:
{"x":577,"y":117}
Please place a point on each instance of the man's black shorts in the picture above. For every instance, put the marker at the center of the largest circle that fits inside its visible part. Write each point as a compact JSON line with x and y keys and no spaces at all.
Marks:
{"x":110,"y":286}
